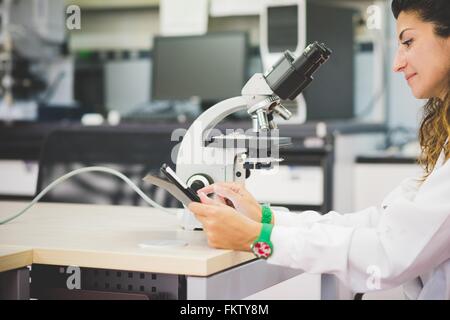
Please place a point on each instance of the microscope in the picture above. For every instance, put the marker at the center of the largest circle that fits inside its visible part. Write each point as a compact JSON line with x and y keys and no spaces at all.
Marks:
{"x":205,"y":158}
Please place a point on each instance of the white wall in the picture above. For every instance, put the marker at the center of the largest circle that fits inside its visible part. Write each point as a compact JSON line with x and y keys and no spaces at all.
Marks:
{"x":134,"y":29}
{"x":116,"y":29}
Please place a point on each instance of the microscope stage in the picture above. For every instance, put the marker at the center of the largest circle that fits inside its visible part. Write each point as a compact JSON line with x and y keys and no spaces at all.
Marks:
{"x":248,"y":141}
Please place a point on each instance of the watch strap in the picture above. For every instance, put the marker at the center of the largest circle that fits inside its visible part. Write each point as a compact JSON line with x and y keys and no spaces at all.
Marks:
{"x":266,"y":216}
{"x":265,"y":233}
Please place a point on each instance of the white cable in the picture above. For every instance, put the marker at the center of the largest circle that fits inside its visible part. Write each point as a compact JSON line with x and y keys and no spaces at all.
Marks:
{"x":89,"y":169}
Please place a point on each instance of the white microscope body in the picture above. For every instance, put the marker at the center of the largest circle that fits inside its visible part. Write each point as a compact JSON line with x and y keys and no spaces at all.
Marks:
{"x":204,"y":159}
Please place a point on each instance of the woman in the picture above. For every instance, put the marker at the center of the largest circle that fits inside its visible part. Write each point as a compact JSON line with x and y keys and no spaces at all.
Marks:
{"x":404,"y":241}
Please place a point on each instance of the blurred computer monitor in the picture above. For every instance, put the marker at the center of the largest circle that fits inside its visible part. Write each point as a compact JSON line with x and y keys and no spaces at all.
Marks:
{"x":212,"y":67}
{"x":330,"y":96}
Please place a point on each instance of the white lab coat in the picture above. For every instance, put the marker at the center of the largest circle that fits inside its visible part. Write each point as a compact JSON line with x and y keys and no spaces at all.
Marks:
{"x":405,"y":241}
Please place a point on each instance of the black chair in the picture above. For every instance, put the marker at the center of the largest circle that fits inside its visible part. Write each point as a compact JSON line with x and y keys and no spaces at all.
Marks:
{"x":133,"y":151}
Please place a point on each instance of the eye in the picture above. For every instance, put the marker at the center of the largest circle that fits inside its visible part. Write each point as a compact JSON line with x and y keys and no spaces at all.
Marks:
{"x":407,"y":43}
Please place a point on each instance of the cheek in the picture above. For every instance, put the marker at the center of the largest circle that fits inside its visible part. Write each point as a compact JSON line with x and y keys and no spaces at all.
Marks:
{"x":434,"y":76}
{"x":432,"y":69}
{"x":417,"y":65}
{"x":417,"y":59}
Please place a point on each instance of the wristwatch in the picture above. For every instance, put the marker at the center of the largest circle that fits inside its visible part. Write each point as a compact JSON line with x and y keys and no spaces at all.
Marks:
{"x":262,"y":247}
{"x":266,"y":216}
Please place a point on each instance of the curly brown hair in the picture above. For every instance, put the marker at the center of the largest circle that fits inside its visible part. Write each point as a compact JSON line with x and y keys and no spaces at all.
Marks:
{"x":434,"y":130}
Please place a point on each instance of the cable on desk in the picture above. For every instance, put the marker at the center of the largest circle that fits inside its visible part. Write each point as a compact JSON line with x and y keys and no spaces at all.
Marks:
{"x":89,"y":169}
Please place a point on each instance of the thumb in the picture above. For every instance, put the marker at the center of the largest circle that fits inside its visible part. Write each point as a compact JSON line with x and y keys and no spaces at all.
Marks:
{"x":194,"y":207}
{"x":200,"y":210}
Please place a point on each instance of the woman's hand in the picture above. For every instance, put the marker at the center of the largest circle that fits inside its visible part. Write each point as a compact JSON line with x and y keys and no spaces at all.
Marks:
{"x":241,"y":199}
{"x":225,"y":228}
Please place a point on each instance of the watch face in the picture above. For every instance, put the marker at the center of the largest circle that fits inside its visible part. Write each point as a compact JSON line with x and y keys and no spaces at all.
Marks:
{"x":262,"y":250}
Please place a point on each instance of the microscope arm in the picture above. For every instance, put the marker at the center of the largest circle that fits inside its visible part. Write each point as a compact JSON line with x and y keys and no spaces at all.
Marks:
{"x":191,"y":148}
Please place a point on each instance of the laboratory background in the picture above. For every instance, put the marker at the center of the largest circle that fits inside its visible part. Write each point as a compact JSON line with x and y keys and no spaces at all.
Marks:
{"x":118,"y":84}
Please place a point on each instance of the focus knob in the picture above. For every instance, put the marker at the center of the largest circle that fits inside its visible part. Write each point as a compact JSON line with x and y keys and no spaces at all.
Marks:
{"x":199,"y":181}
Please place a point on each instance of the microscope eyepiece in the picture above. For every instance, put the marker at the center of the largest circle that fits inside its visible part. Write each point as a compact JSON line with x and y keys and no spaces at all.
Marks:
{"x":290,"y":75}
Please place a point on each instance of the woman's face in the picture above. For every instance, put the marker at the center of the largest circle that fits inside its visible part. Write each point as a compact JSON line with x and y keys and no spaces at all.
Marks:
{"x":422,"y":56}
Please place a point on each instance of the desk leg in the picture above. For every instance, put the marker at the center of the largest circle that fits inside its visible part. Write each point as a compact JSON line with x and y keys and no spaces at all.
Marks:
{"x":329,"y":287}
{"x":333,"y":289}
{"x":15,"y":284}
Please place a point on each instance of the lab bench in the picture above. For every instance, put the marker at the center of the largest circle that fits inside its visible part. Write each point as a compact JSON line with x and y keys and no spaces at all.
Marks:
{"x":118,"y":252}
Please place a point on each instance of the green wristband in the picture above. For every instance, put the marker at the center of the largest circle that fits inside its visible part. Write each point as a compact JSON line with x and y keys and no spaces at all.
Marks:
{"x":266,"y":214}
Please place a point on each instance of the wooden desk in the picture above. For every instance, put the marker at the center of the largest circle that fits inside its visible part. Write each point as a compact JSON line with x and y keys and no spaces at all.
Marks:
{"x":109,"y":238}
{"x":15,"y":257}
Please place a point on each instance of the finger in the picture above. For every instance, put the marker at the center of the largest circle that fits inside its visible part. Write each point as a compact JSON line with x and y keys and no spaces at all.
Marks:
{"x":204,"y":198}
{"x":236,"y":186}
{"x":227,"y":192}
{"x":207,"y":200}
{"x":222,"y":192}
{"x":219,"y":198}
{"x":223,"y":201}
{"x":233,"y":186}
{"x":208,"y":189}
{"x":202,"y":209}
{"x":197,"y":208}
{"x":201,"y":218}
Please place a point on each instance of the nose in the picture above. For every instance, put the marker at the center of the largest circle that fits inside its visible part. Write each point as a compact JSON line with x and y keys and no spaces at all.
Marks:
{"x":399,"y":61}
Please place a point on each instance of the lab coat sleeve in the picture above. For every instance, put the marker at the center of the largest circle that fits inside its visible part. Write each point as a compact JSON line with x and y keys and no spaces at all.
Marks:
{"x":365,"y":218}
{"x":411,"y":237}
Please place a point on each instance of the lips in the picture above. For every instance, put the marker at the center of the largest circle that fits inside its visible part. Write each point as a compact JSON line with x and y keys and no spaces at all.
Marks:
{"x":408,"y":77}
